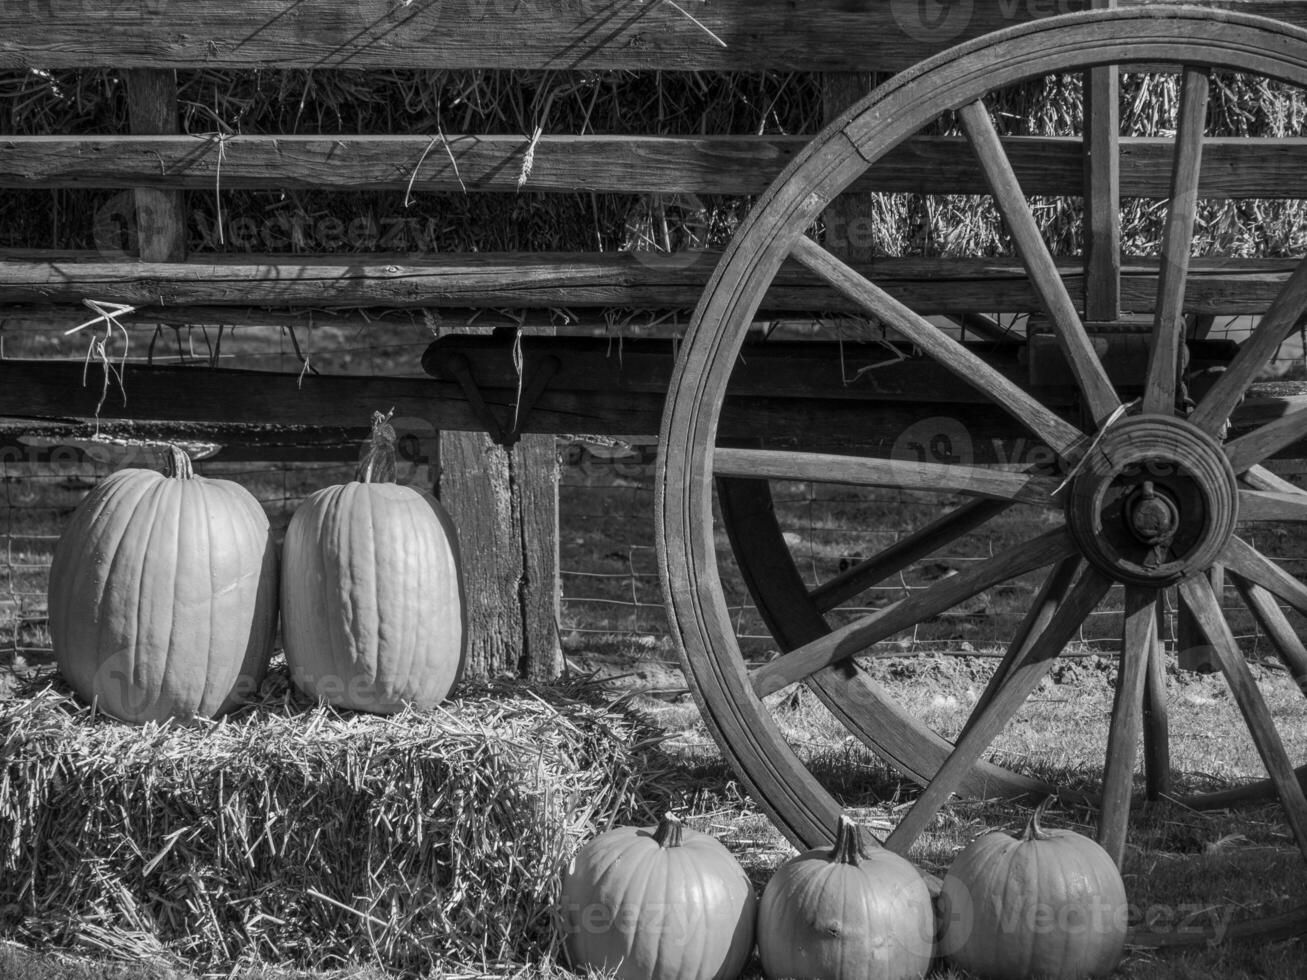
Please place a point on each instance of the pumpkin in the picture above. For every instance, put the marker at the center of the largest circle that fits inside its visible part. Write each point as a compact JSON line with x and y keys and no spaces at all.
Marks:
{"x":1049,"y":904}
{"x":846,"y":914}
{"x":373,"y":614}
{"x":163,"y":594}
{"x":658,"y":903}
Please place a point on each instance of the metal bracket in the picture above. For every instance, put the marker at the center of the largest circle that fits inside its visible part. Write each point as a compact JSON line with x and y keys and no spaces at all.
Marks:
{"x":461,"y":368}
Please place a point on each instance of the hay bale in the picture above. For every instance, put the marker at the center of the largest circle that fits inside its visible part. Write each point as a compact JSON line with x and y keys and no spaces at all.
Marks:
{"x":294,"y":834}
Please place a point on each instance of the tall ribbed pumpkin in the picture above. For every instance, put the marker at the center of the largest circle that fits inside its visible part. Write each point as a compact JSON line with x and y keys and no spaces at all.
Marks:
{"x":658,"y":903}
{"x":1049,"y":904}
{"x":373,"y":613}
{"x":163,"y":594}
{"x":846,"y":914}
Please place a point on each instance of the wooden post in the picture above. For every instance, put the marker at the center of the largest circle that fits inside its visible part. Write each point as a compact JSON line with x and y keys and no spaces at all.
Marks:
{"x":160,"y":215}
{"x":1102,"y":190}
{"x":504,"y":503}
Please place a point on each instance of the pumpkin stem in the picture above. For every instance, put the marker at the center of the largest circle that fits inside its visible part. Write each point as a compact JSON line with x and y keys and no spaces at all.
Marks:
{"x":669,"y":830}
{"x":176,"y":463}
{"x":1033,"y":830}
{"x":848,"y":842}
{"x":377,"y":461}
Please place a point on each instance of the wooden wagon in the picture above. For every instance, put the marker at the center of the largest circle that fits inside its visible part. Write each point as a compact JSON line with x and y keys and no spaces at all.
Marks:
{"x":1143,"y":437}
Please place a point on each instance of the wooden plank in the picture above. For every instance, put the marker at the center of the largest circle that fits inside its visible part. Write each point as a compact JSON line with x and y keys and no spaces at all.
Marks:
{"x":1233,"y":167}
{"x":47,"y":389}
{"x":71,"y":442}
{"x":643,"y":280}
{"x":445,"y":34}
{"x":504,"y":503}
{"x":775,"y":369}
{"x":1102,"y":183}
{"x":475,"y":487}
{"x":22,"y":318}
{"x":534,"y":468}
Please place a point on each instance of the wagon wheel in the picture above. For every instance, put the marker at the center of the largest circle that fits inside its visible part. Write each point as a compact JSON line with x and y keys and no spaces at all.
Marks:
{"x":1154,"y":499}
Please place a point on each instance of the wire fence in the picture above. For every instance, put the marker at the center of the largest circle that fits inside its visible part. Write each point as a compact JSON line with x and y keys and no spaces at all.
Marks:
{"x":610,"y":592}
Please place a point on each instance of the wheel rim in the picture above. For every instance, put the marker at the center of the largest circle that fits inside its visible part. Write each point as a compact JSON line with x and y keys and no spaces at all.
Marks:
{"x":1203,"y":515}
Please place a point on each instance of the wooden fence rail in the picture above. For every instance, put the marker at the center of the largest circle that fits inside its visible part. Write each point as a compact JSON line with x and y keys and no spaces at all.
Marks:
{"x":739,"y":165}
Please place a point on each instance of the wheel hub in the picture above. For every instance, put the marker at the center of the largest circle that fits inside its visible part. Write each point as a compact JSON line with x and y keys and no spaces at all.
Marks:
{"x":1155,"y":500}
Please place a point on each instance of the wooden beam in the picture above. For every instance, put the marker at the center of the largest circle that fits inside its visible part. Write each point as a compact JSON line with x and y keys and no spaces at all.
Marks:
{"x":45,"y":391}
{"x":644,"y":280}
{"x":445,"y":34}
{"x":50,"y":442}
{"x":1102,"y":189}
{"x":160,"y":225}
{"x":1233,"y":167}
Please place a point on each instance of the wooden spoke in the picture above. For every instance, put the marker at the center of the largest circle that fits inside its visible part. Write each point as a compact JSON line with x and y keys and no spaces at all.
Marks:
{"x":864,"y":707}
{"x":1197,"y":594}
{"x":1257,"y":445}
{"x":1248,"y":563}
{"x":852,"y":639}
{"x":1157,"y":734}
{"x":902,"y":553}
{"x":1279,"y":319}
{"x":1059,"y":434}
{"x":1022,"y":679}
{"x":1276,"y":625}
{"x":1051,"y":594}
{"x":1260,"y":478}
{"x":1072,"y":338}
{"x":774,"y":464}
{"x":1138,"y":640}
{"x":1266,"y":505}
{"x":1168,"y":317}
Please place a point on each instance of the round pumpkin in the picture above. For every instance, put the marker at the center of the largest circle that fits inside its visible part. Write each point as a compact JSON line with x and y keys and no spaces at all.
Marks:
{"x":846,"y":914}
{"x":163,"y":594}
{"x":1050,"y":904}
{"x":373,"y":613}
{"x":662,"y":903}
